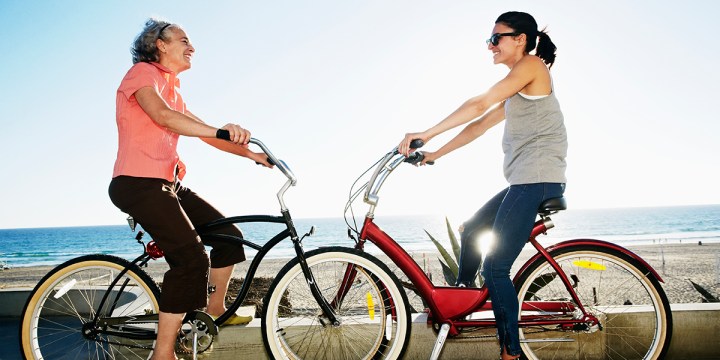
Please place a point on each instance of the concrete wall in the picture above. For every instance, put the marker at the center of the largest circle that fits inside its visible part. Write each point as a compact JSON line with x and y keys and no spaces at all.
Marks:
{"x":696,"y":335}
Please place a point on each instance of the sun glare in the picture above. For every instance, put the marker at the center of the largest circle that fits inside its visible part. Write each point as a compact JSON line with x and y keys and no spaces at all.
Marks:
{"x":487,"y":240}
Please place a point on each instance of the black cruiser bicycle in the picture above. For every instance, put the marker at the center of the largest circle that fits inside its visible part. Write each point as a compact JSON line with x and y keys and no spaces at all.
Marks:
{"x":105,"y":307}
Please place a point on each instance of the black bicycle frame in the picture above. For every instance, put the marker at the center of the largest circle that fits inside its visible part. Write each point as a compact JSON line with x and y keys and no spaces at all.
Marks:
{"x":204,"y":232}
{"x":289,"y":231}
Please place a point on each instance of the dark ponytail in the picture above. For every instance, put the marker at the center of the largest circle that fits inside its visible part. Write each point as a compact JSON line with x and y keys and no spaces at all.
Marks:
{"x":545,"y":48}
{"x":524,"y":23}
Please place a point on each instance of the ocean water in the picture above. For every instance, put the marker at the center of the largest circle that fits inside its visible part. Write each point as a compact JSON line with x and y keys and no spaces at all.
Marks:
{"x":625,"y":226}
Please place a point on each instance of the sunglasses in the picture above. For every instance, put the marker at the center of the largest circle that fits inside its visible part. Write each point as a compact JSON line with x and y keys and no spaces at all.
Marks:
{"x":495,"y":38}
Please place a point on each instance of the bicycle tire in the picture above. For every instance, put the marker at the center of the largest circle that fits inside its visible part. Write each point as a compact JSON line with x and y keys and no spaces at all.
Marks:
{"x":52,"y":321}
{"x":634,"y":312}
{"x":291,"y":320}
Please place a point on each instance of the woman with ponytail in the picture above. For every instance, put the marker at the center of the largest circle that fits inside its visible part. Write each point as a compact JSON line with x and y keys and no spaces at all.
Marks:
{"x":535,"y":146}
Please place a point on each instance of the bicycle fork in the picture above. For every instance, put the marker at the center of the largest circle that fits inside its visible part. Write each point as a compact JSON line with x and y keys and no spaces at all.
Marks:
{"x":327,"y":309}
{"x":316,"y":293}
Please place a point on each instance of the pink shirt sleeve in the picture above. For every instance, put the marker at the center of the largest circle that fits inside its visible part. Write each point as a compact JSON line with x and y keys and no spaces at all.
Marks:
{"x":141,"y":75}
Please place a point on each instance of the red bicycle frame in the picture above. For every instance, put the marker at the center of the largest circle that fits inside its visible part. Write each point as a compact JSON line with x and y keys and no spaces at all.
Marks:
{"x":451,"y":305}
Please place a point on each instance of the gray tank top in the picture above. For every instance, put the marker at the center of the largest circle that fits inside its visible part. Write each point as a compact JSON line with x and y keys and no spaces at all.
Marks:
{"x":535,"y":141}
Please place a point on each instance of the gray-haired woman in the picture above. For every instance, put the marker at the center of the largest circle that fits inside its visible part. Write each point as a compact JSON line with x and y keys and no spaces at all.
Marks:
{"x":151,"y":115}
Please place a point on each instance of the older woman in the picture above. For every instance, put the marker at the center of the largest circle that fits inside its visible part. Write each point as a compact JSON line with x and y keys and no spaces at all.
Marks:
{"x":151,"y":115}
{"x":535,"y":145}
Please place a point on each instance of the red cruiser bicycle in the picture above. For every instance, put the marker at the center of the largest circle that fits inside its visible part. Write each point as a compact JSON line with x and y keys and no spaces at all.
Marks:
{"x":579,"y":299}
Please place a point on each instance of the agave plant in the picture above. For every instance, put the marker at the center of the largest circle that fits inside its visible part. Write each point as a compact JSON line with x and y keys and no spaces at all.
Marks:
{"x":450,"y":265}
{"x":707,"y":296}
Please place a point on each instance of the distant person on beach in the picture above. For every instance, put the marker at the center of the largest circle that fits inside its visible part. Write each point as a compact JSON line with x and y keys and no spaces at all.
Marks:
{"x":151,"y":115}
{"x":535,"y":146}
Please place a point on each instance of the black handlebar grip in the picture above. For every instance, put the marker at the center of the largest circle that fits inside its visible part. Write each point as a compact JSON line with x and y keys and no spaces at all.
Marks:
{"x":269,"y":160}
{"x":416,"y":158}
{"x":416,"y":144}
{"x":223,"y":134}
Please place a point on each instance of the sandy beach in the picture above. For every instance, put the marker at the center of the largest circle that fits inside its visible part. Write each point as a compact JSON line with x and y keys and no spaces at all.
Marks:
{"x":676,"y":264}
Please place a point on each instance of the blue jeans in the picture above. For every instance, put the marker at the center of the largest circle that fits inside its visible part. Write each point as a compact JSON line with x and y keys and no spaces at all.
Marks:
{"x":510,"y":215}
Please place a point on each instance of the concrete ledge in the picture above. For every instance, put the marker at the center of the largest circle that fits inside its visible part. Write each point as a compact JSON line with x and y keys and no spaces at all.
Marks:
{"x":695,"y":335}
{"x":695,"y":329}
{"x":12,"y":301}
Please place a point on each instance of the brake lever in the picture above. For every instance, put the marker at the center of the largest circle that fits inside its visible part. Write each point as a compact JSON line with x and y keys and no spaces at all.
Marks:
{"x":416,"y":158}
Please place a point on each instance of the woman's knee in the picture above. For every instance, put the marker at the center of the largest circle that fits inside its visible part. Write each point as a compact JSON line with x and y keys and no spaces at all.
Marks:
{"x":199,"y":263}
{"x":189,"y":259}
{"x":495,"y":268}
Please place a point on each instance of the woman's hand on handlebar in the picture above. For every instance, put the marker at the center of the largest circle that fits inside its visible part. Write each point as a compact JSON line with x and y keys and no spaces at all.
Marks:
{"x":429,"y":158}
{"x":404,"y":147}
{"x":260,"y":158}
{"x":420,"y":158}
{"x":238,"y":135}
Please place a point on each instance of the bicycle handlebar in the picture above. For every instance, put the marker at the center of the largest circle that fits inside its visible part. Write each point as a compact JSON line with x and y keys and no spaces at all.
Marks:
{"x":386,"y":166}
{"x":272,"y":160}
{"x":417,"y":143}
{"x":417,"y":157}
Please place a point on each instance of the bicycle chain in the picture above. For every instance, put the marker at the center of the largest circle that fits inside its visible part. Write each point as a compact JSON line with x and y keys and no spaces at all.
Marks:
{"x":477,"y":337}
{"x":189,"y":318}
{"x":464,"y":334}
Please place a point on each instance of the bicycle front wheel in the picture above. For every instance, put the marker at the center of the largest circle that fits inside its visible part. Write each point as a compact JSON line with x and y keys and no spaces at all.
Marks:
{"x":57,"y":321}
{"x":372,"y":310}
{"x":633,"y":310}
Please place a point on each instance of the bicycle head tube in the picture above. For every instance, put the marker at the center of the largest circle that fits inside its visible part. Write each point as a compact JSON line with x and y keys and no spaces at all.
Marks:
{"x":284,"y":168}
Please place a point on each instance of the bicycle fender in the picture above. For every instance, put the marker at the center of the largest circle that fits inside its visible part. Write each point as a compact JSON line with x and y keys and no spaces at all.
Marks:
{"x":590,"y":242}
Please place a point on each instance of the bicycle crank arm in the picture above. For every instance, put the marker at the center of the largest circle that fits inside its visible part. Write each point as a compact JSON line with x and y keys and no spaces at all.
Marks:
{"x":197,"y":333}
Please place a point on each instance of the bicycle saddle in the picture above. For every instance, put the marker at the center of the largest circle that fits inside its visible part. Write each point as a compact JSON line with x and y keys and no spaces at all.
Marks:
{"x":553,"y":205}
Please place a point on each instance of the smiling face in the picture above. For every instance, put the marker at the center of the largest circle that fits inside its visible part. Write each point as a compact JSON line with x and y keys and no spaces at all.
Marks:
{"x":509,"y":49}
{"x":176,"y":50}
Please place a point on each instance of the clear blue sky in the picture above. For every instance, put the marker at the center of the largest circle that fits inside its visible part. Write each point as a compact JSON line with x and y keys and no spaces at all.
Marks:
{"x":331,"y":85}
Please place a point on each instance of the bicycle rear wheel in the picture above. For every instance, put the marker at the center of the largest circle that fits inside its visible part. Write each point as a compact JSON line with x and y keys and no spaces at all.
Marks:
{"x":374,"y":315}
{"x":632,"y":307}
{"x":56,"y":320}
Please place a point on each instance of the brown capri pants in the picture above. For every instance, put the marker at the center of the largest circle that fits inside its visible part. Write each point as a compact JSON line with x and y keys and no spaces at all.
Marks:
{"x":170,"y":212}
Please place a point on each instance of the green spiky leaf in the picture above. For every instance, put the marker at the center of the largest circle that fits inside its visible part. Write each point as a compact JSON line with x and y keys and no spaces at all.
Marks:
{"x":450,"y":277}
{"x":705,"y":294}
{"x":453,"y":240}
{"x":449,"y":261}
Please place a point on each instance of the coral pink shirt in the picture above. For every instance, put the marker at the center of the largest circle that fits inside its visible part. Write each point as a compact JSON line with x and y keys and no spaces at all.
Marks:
{"x":146,"y":149}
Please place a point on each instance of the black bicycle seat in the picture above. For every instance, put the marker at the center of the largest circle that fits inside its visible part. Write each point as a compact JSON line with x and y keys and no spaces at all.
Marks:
{"x":552,"y":205}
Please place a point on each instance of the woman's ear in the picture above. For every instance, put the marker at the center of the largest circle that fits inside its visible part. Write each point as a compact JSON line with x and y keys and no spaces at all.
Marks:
{"x":160,"y":45}
{"x":521,"y":39}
